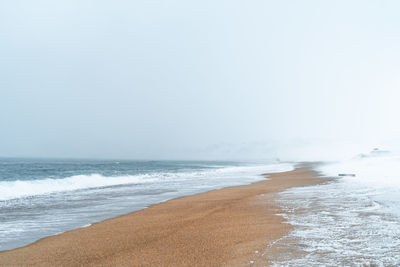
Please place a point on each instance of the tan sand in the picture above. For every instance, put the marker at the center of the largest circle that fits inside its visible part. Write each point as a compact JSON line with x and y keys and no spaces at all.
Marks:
{"x":218,"y":228}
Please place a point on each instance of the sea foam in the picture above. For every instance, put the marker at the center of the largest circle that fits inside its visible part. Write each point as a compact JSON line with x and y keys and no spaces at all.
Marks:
{"x":20,"y":188}
{"x":27,"y":188}
{"x":378,"y":173}
{"x":349,"y":221}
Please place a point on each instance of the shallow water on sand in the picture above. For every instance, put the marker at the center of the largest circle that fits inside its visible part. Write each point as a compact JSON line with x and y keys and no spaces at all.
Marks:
{"x":339,"y":223}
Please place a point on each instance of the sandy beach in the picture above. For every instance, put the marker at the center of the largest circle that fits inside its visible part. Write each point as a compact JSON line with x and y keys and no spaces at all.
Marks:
{"x":226,"y":227}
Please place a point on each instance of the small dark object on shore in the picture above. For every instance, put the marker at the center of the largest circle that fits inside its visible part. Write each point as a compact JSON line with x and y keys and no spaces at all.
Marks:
{"x":347,"y":174}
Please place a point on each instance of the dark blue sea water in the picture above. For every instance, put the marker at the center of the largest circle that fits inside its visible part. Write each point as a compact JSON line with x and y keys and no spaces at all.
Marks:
{"x":42,"y":197}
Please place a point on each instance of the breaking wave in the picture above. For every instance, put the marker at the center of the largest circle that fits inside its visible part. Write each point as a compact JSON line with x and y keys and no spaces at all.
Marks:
{"x":27,"y":188}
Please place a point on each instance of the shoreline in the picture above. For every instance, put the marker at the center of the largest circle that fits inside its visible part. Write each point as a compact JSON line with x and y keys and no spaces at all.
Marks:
{"x":219,"y":227}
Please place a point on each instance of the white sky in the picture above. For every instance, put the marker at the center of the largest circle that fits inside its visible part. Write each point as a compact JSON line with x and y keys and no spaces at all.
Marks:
{"x":196,"y":79}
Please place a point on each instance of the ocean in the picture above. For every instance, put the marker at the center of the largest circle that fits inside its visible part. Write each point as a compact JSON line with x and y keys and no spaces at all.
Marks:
{"x":43,"y":197}
{"x":350,"y":220}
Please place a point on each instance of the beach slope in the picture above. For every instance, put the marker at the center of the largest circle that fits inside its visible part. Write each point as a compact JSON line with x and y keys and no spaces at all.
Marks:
{"x":219,"y":228}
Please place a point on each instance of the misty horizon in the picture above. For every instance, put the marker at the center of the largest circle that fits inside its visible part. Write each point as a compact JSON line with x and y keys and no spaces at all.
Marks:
{"x":221,"y":80}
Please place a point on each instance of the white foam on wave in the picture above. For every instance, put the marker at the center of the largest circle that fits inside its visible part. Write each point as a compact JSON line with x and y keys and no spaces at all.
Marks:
{"x":337,"y":224}
{"x":20,"y":188}
{"x":350,"y":221}
{"x":379,"y":174}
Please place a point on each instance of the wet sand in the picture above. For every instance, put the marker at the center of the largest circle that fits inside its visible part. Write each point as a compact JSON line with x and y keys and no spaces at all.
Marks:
{"x":219,"y":228}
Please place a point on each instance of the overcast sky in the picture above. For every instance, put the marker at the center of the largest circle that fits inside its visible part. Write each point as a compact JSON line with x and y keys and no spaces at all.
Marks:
{"x":196,"y":79}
